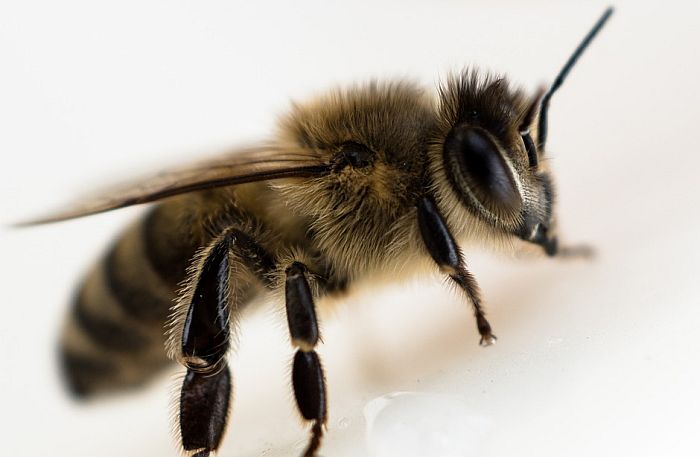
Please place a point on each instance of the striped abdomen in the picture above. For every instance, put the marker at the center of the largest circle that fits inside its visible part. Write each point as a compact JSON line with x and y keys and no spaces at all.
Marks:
{"x":114,"y":335}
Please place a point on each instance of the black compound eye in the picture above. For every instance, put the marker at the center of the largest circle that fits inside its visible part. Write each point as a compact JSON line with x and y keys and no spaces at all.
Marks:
{"x":530,"y":148}
{"x":354,"y":154}
{"x":477,"y":167}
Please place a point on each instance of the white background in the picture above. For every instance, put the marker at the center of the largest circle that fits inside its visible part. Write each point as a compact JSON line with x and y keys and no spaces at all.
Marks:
{"x":594,"y":358}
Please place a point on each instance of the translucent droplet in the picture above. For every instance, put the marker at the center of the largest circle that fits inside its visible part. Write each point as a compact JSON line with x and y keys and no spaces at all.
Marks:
{"x":410,"y":424}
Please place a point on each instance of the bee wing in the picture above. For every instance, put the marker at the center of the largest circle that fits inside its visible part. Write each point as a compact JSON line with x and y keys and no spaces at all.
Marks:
{"x":243,"y":166}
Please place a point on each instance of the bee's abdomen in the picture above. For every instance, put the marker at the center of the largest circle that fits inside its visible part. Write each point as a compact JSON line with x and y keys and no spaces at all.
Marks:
{"x":114,"y":334}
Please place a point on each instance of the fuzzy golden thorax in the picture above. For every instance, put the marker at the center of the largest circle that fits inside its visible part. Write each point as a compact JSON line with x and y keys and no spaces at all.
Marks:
{"x":361,"y":215}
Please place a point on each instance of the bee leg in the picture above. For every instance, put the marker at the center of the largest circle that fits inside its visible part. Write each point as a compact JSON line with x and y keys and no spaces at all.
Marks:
{"x":204,"y":407}
{"x":444,"y":250}
{"x":204,"y":339}
{"x":206,"y":389}
{"x":307,"y":374}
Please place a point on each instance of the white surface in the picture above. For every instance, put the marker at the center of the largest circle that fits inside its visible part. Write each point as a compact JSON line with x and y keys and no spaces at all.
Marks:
{"x":593,"y":358}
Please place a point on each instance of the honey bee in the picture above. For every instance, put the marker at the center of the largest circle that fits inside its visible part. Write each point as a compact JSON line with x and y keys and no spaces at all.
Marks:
{"x":376,"y":178}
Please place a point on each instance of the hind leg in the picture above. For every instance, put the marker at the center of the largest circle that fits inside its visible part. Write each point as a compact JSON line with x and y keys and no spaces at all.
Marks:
{"x":200,"y":335}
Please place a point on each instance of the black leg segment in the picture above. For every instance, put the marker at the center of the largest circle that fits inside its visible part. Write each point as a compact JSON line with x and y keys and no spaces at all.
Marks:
{"x":444,"y":250}
{"x":310,"y":393}
{"x":301,"y":312}
{"x":436,"y":236}
{"x":307,"y":374}
{"x":206,"y":390}
{"x":309,"y":385}
{"x":204,"y":406}
{"x":205,"y":337}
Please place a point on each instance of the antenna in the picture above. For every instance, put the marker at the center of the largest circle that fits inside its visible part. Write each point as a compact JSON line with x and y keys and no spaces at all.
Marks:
{"x":544,"y":106}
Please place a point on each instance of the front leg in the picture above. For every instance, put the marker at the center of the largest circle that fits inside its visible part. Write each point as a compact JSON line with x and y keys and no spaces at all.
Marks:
{"x":445,"y":252}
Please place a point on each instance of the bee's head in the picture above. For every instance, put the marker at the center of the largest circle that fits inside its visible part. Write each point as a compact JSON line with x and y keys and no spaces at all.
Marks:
{"x":484,"y":150}
{"x":489,"y":150}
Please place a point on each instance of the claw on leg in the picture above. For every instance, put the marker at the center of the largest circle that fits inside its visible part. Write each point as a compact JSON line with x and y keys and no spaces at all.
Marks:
{"x":487,"y":338}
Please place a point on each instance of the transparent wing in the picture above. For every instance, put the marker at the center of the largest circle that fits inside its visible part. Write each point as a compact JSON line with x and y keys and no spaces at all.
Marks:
{"x":238,"y":167}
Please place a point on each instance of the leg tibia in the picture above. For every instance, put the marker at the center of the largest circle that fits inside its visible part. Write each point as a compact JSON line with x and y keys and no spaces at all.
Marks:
{"x":205,"y":337}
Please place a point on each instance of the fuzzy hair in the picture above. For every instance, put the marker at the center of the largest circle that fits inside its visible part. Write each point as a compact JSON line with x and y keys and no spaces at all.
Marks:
{"x":362,"y":219}
{"x":490,"y":102}
{"x":242,"y":284}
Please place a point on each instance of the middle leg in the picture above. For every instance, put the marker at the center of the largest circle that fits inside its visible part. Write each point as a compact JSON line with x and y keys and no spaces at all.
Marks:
{"x":308,"y":379}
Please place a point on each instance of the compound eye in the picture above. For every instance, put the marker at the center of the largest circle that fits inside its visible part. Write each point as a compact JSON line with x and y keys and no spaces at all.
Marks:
{"x":478,"y":167}
{"x":530,"y":148}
